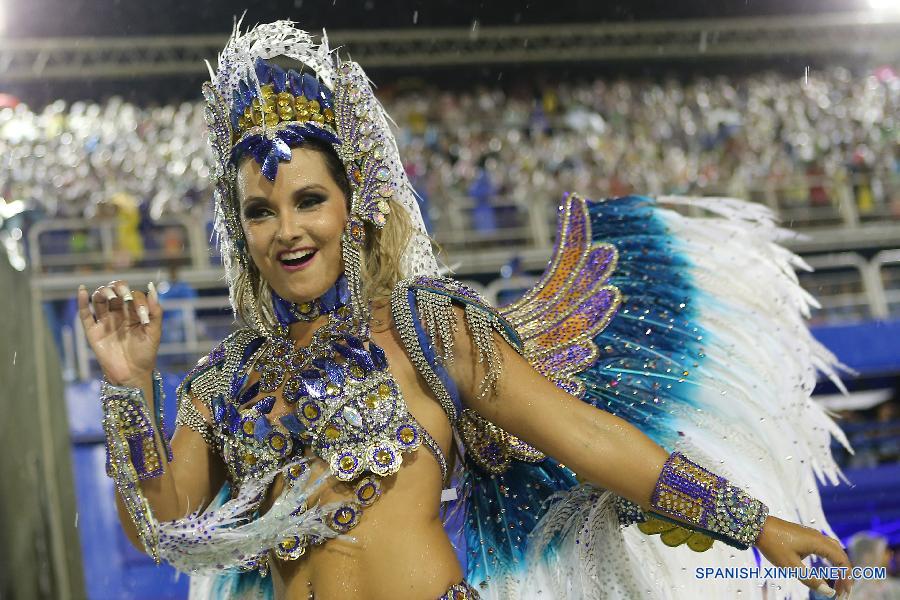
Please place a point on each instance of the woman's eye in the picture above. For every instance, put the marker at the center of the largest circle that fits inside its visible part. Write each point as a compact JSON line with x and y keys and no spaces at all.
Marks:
{"x":310,"y":201}
{"x":256,"y":212}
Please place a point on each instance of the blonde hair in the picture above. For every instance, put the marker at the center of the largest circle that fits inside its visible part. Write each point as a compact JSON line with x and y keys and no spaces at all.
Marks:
{"x":381,"y":270}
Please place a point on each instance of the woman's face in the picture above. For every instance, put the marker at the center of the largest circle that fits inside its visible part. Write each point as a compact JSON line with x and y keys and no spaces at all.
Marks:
{"x":293,"y":225}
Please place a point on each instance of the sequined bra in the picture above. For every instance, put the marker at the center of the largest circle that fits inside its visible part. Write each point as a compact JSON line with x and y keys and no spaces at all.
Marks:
{"x":345,"y":407}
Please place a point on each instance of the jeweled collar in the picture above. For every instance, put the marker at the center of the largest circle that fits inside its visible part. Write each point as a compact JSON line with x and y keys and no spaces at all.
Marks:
{"x":336,"y":296}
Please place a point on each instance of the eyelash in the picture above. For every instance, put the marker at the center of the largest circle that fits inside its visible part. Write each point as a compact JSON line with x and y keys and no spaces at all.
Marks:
{"x":309,"y":201}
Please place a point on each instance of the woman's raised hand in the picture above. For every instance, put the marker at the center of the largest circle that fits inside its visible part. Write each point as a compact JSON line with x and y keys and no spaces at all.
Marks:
{"x":123,"y":330}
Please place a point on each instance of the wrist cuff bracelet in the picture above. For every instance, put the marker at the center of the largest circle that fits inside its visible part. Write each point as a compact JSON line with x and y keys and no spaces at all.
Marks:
{"x":131,"y":454}
{"x":126,"y":416}
{"x":688,"y":493}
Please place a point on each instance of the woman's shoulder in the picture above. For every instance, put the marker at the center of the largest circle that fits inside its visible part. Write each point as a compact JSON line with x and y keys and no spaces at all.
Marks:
{"x":440,"y":303}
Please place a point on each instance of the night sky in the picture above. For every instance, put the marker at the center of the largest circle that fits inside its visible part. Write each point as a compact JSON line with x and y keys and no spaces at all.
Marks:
{"x":51,"y":18}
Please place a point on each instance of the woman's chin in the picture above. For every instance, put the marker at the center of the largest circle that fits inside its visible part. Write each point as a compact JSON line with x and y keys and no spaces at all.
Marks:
{"x":301,"y":294}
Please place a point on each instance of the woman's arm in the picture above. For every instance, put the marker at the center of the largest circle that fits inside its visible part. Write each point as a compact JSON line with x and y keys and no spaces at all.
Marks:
{"x":599,"y":446}
{"x":187,"y":484}
{"x":124,"y":330}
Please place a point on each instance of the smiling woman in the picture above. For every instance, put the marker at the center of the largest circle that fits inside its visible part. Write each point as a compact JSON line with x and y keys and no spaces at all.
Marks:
{"x":293,"y":225}
{"x":315,"y":186}
{"x":309,"y":422}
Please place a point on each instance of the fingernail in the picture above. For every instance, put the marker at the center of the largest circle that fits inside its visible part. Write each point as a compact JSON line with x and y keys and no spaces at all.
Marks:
{"x":152,"y":289}
{"x":81,"y":288}
{"x":826,"y":590}
{"x":142,"y":314}
{"x":126,"y":294}
{"x":110,"y":295}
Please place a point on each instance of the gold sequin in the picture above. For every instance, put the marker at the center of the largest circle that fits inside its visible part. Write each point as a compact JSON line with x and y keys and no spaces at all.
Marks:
{"x":343,"y":516}
{"x":407,"y":435}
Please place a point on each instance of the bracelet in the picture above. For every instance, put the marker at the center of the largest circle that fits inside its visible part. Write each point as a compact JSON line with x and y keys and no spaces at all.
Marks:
{"x":125,"y":416}
{"x":692,"y":495}
{"x":131,"y":453}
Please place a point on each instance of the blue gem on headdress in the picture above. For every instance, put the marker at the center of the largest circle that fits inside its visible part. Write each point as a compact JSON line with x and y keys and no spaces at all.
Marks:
{"x":279,"y":78}
{"x":296,"y":82}
{"x":278,"y":151}
{"x":218,"y":409}
{"x":237,"y":109}
{"x":326,"y":97}
{"x":232,"y":419}
{"x":310,"y":86}
{"x":269,"y":150}
{"x":262,"y":71}
{"x":246,"y":94}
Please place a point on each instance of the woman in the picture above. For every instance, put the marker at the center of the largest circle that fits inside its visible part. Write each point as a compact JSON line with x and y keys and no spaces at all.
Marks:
{"x":363,"y":383}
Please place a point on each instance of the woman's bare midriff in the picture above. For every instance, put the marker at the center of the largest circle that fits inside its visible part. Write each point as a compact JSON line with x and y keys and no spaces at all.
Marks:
{"x":399,"y":549}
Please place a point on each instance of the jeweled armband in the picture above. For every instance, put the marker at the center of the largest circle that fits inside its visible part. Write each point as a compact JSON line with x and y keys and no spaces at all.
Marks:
{"x":125,"y":414}
{"x":689,"y":494}
{"x":131,"y":454}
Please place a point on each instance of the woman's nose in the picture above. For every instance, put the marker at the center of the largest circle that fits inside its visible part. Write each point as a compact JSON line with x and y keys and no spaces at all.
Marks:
{"x":290,"y":229}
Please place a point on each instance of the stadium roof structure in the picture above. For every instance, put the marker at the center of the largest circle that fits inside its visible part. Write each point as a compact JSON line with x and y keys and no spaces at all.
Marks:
{"x":836,"y":34}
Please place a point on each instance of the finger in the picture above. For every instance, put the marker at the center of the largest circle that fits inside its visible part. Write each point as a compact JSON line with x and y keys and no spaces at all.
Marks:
{"x":100,"y":299}
{"x":84,"y":308}
{"x":123,"y":291}
{"x":139,"y":308}
{"x":129,"y":308}
{"x":819,"y":586}
{"x":831,"y":550}
{"x":156,"y":311}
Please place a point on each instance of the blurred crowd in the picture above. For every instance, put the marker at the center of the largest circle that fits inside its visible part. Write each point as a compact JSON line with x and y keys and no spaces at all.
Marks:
{"x":519,"y":144}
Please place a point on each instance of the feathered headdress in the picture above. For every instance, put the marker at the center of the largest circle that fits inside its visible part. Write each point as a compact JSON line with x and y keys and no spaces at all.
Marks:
{"x":256,"y":108}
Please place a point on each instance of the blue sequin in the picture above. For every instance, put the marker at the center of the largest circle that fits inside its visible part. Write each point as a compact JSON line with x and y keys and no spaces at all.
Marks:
{"x":265,"y":405}
{"x":378,"y":357}
{"x":293,"y":424}
{"x":262,"y":427}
